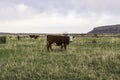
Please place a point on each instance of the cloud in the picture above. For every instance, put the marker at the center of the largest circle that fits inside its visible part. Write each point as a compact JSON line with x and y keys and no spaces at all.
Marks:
{"x":54,"y":23}
{"x":17,"y":11}
{"x":21,"y":7}
{"x":63,"y":7}
{"x":57,"y":15}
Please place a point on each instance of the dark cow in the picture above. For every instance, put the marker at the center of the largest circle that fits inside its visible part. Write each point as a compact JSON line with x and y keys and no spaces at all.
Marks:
{"x":94,"y":41}
{"x":62,"y":41}
{"x":34,"y":36}
{"x":18,"y":37}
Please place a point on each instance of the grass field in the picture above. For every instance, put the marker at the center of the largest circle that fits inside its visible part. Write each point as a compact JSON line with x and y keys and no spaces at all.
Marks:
{"x":28,"y":59}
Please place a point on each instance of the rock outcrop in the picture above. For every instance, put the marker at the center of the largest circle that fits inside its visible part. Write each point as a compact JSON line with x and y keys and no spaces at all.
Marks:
{"x":110,"y":29}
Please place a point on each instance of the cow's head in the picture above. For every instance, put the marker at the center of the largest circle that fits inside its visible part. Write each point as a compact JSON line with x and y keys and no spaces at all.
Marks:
{"x":71,"y":38}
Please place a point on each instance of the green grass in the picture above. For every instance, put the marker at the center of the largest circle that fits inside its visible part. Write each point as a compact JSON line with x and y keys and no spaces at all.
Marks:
{"x":28,"y":59}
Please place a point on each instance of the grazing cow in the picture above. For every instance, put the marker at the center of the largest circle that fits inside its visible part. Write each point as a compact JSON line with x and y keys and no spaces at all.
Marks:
{"x":18,"y":37}
{"x":34,"y":36}
{"x":62,"y":41}
{"x":94,"y":41}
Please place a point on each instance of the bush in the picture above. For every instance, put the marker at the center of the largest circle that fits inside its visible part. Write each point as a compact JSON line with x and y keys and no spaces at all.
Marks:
{"x":2,"y":39}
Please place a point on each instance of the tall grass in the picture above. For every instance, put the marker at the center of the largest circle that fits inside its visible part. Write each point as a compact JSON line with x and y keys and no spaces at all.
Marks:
{"x":28,"y":59}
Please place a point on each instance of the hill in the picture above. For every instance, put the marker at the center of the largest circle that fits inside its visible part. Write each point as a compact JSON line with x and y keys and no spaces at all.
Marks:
{"x":109,"y":29}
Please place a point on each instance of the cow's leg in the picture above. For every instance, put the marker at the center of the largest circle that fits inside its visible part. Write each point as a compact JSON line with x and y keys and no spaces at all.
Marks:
{"x":61,"y":47}
{"x":48,"y":46}
{"x":65,"y":46}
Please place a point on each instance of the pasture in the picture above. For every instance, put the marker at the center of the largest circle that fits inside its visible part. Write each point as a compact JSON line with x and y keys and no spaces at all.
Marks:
{"x":28,"y":59}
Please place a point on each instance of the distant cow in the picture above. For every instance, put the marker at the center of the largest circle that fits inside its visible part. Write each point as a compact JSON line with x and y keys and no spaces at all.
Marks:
{"x":34,"y":36}
{"x":18,"y":37}
{"x":94,"y":41}
{"x":62,"y":41}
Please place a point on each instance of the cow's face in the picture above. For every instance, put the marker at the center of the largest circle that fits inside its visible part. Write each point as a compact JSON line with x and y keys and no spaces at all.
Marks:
{"x":71,"y":38}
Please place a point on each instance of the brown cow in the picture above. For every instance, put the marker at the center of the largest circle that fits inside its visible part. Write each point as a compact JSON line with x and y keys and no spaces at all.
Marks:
{"x":18,"y":37}
{"x":34,"y":36}
{"x":62,"y":41}
{"x":94,"y":41}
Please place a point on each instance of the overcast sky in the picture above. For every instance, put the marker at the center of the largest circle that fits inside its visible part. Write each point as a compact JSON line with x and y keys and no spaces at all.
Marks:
{"x":57,"y":16}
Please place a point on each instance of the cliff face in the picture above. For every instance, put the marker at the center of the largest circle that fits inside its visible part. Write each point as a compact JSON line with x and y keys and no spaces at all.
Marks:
{"x":111,"y":29}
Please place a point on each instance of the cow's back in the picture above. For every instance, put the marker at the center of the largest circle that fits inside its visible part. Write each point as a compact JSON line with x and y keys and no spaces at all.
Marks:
{"x":58,"y":39}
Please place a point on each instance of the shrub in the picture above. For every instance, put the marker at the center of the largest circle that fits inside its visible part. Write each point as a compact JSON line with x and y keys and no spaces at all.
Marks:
{"x":2,"y":39}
